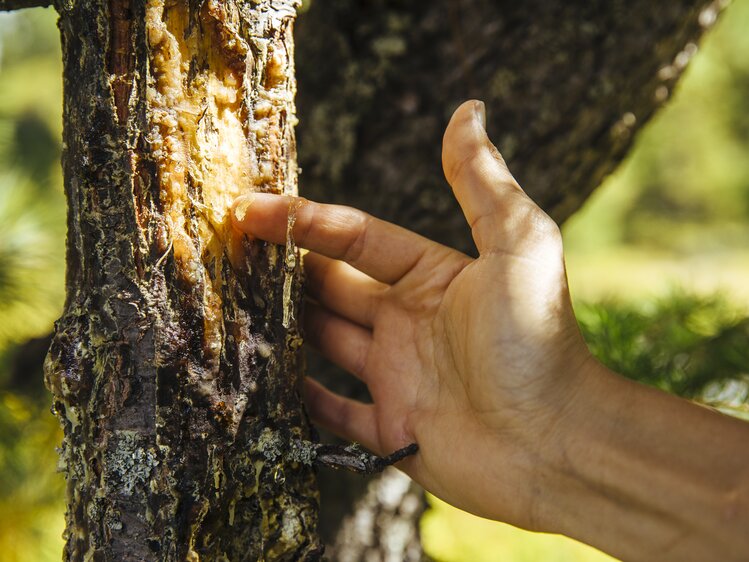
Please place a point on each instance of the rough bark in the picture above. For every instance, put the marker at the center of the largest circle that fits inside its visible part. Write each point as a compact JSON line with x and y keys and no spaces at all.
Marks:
{"x":175,"y":365}
{"x":567,"y":84}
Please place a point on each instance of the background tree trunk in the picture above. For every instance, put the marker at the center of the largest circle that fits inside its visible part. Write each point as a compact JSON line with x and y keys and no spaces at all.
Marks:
{"x":566,"y":84}
{"x":384,"y":523}
{"x":175,"y":365}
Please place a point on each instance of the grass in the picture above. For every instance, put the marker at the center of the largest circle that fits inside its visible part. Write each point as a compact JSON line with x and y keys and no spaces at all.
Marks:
{"x":634,"y":273}
{"x":451,"y":535}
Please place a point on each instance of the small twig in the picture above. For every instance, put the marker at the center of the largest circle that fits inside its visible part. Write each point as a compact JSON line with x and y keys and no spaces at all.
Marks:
{"x":274,"y":446}
{"x":356,"y":459}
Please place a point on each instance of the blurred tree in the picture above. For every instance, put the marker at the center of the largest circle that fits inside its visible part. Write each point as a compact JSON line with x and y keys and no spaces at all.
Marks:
{"x":570,"y":81}
{"x":34,"y":148}
{"x":689,"y":176}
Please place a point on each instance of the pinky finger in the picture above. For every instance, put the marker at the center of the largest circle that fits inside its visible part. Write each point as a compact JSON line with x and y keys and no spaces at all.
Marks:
{"x":349,"y":419}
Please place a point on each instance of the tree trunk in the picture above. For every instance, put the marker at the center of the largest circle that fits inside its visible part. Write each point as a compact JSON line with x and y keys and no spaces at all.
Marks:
{"x":566,"y":83}
{"x":175,"y":365}
{"x":383,"y":526}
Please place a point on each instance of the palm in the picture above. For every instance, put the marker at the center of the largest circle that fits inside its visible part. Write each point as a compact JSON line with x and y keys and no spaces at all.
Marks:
{"x":439,"y":323}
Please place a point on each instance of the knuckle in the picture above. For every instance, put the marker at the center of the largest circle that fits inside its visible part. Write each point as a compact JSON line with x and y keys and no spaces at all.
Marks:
{"x":360,"y":223}
{"x":305,"y":222}
{"x":547,"y":234}
{"x":457,"y":167}
{"x":546,"y":225}
{"x":484,"y":159}
{"x":547,"y":228}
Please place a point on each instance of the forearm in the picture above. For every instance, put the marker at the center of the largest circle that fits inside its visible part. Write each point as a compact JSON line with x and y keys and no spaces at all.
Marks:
{"x":645,"y":475}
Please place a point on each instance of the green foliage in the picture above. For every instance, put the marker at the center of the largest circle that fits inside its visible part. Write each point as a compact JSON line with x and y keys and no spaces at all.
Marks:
{"x":31,"y":514}
{"x":31,"y":259}
{"x":681,"y":343}
{"x":32,"y":207}
{"x":28,"y":33}
{"x":450,"y":535}
{"x":32,"y":244}
{"x":28,"y":144}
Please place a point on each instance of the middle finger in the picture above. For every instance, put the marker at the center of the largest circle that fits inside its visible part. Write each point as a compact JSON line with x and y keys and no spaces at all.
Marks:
{"x":343,"y":289}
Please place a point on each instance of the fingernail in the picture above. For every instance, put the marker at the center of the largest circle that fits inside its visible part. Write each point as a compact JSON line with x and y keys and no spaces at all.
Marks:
{"x":480,"y":108}
{"x":241,"y":205}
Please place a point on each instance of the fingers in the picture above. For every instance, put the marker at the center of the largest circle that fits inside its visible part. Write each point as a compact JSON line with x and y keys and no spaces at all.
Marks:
{"x":492,"y":201}
{"x":341,"y":341}
{"x":342,"y":289}
{"x":346,"y":418}
{"x":381,"y":250}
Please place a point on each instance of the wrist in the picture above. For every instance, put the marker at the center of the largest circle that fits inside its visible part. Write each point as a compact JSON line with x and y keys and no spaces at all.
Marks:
{"x":630,"y":467}
{"x":534,"y":444}
{"x":582,"y":424}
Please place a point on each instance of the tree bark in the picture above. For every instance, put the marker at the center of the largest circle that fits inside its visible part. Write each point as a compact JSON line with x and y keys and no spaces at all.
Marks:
{"x":566,"y":84}
{"x":382,"y":526}
{"x":175,"y":365}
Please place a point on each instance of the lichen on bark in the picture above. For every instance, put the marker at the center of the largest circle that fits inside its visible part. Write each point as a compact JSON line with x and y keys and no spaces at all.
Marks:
{"x":172,"y":357}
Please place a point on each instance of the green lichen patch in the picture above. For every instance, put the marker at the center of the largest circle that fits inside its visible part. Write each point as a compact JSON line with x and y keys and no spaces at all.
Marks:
{"x":129,"y":462}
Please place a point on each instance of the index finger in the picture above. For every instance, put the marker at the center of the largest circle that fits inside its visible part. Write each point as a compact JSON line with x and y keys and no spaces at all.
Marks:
{"x":380,"y":249}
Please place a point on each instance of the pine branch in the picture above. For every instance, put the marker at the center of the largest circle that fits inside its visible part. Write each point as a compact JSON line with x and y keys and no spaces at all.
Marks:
{"x":8,"y":5}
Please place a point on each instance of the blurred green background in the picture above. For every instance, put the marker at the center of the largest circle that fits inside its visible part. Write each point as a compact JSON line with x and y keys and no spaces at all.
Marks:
{"x":658,"y":266}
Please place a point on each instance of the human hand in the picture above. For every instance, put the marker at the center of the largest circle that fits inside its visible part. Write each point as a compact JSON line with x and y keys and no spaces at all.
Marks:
{"x":474,"y":360}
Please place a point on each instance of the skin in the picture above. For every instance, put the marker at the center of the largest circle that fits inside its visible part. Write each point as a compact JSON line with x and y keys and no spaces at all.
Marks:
{"x":481,"y":362}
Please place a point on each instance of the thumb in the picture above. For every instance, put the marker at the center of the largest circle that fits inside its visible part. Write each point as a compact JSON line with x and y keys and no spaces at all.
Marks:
{"x":492,"y":200}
